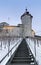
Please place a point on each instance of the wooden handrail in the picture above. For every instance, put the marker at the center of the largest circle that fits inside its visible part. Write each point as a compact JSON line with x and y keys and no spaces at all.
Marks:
{"x":38,"y":38}
{"x":32,"y":54}
{"x":7,"y":53}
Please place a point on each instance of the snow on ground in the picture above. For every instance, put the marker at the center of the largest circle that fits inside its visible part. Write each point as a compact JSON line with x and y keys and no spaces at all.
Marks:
{"x":38,"y":50}
{"x":4,"y":50}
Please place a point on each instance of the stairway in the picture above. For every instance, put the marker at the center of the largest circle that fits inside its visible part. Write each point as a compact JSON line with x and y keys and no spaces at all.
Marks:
{"x":23,"y":56}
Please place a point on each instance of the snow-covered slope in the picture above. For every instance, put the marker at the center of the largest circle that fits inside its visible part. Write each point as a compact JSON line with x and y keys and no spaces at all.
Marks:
{"x":4,"y":50}
{"x":38,"y":49}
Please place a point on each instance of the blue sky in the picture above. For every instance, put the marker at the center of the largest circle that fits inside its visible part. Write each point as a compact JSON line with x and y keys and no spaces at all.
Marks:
{"x":13,"y":9}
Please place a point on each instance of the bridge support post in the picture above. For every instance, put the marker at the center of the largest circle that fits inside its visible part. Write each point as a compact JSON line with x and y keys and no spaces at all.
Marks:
{"x":35,"y":47}
{"x":5,"y":43}
{"x":8,"y":45}
{"x":1,"y":44}
{"x":37,"y":43}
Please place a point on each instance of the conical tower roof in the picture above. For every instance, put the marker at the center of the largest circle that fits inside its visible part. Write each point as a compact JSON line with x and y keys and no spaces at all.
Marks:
{"x":26,"y":13}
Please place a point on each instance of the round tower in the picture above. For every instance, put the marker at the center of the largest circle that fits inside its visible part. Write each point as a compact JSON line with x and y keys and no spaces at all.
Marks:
{"x":26,"y":19}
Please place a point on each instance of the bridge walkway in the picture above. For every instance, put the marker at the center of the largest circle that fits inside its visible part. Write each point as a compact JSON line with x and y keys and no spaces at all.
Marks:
{"x":22,"y":56}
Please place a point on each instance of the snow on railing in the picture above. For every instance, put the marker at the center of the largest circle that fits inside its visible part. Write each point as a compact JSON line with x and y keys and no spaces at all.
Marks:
{"x":4,"y":60}
{"x":35,"y":46}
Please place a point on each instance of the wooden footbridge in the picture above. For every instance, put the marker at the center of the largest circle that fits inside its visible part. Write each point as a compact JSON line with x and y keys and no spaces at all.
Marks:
{"x":22,"y":56}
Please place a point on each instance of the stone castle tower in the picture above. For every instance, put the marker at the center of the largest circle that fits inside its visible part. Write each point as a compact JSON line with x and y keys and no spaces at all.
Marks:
{"x":26,"y":19}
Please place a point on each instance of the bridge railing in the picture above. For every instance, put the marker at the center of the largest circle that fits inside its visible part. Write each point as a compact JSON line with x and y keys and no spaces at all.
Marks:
{"x":10,"y":52}
{"x":35,"y":46}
